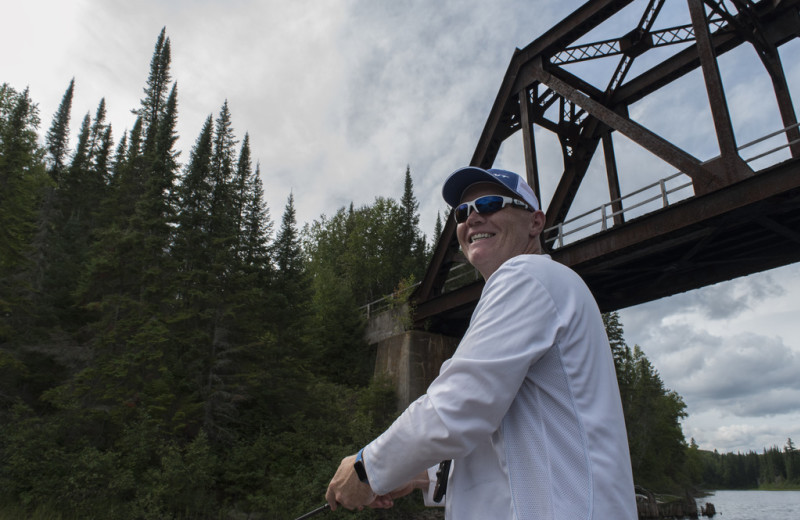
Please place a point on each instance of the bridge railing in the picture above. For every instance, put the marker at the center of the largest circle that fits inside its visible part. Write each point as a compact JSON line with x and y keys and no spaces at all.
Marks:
{"x":461,"y":274}
{"x":597,"y":219}
{"x":645,"y":200}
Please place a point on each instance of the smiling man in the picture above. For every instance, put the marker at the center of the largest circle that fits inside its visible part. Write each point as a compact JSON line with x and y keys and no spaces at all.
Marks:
{"x":528,"y":407}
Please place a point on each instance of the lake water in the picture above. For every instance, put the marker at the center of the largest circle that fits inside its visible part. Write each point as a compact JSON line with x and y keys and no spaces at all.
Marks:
{"x":754,"y":505}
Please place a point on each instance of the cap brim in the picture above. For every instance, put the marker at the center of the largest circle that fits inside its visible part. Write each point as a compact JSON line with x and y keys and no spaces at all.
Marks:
{"x":463,"y":178}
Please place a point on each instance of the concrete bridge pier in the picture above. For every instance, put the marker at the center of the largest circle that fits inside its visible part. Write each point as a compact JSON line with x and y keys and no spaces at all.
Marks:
{"x":410,"y":359}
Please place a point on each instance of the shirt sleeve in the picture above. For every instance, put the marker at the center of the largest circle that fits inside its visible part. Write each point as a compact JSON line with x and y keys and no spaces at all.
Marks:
{"x":514,"y":324}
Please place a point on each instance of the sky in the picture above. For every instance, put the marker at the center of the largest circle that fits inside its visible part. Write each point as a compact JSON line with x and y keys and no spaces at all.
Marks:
{"x":338,"y":97}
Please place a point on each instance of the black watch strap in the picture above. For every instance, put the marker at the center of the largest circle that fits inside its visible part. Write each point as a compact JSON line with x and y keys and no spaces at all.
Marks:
{"x":361,"y":471}
{"x":442,"y":474}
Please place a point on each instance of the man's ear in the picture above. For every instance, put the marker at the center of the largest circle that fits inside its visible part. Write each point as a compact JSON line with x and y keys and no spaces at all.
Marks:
{"x":536,"y":223}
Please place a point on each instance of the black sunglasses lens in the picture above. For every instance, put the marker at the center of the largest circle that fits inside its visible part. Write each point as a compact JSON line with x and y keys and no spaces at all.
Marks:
{"x":461,"y":213}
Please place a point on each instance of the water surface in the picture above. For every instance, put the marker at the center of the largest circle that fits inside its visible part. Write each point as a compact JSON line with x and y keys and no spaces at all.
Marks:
{"x":754,"y":505}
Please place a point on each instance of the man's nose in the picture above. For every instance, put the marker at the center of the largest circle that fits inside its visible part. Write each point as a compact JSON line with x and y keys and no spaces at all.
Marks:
{"x":475,"y":217}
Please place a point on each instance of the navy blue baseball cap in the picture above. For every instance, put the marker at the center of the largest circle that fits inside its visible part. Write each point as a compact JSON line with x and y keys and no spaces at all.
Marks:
{"x":463,"y":178}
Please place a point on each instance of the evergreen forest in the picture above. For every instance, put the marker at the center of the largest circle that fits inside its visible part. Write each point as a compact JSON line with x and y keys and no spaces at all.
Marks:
{"x":168,"y":349}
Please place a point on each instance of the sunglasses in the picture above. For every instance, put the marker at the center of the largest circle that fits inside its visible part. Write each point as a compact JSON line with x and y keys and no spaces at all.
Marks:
{"x":485,"y":205}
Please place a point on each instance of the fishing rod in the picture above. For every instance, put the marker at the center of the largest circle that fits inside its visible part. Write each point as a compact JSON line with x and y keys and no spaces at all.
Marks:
{"x":314,"y":512}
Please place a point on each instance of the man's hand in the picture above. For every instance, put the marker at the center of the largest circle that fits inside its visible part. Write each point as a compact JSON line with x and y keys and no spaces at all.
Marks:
{"x":346,"y":490}
{"x":386,"y":501}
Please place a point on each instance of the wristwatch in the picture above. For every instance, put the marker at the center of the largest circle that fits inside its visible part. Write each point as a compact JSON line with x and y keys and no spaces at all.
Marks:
{"x":361,"y":471}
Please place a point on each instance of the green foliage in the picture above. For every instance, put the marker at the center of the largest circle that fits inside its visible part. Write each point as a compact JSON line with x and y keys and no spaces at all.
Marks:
{"x":58,"y":136}
{"x":367,"y":248}
{"x":652,"y":416}
{"x":22,"y":184}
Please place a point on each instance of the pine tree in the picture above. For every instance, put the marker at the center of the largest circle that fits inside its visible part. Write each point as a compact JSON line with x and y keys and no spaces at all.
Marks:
{"x":291,"y":286}
{"x":80,"y":159}
{"x":411,"y":247}
{"x":194,"y":201}
{"x":791,"y":461}
{"x":254,"y":222}
{"x":127,"y":181}
{"x":98,"y":129}
{"x":154,"y":103}
{"x":197,"y":287}
{"x":22,"y":180}
{"x":224,"y":205}
{"x":58,"y":136}
{"x":287,"y":252}
{"x":619,"y":349}
{"x":154,"y":216}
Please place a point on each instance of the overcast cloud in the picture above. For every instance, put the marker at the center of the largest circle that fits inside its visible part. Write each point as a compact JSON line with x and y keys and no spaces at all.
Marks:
{"x":339,"y":96}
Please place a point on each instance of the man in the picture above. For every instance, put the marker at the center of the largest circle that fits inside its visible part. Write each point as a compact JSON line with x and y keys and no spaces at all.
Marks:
{"x":528,"y":407}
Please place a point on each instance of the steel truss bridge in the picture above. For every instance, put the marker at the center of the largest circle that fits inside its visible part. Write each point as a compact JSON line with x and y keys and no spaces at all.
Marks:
{"x":712,"y":220}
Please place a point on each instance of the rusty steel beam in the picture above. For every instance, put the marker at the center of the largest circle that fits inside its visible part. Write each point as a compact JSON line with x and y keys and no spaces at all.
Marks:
{"x":613,"y":178}
{"x":732,"y":167}
{"x":575,"y":168}
{"x":529,"y":143}
{"x":580,"y":22}
{"x":652,"y":142}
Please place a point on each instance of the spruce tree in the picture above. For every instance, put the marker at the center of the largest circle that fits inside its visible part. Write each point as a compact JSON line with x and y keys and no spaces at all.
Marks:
{"x":154,"y":215}
{"x":254,"y":226}
{"x":22,"y":180}
{"x":127,"y":181}
{"x":224,"y":204}
{"x":438,"y":226}
{"x":291,"y":285}
{"x":411,"y":242}
{"x":195,"y":293}
{"x":154,"y":103}
{"x":58,"y":136}
{"x":791,"y":461}
{"x":192,"y":246}
{"x":80,"y":159}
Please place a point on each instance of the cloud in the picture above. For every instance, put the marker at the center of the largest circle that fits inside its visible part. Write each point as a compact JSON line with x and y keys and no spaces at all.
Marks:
{"x":737,"y":370}
{"x":713,"y":429}
{"x":731,"y":352}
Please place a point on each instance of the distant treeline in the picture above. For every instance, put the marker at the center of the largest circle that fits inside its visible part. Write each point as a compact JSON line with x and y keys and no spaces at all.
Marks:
{"x":774,"y":468}
{"x":166,"y":353}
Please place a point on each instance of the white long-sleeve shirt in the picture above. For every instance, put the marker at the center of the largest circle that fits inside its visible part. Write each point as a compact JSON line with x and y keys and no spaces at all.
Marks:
{"x":528,"y":407}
